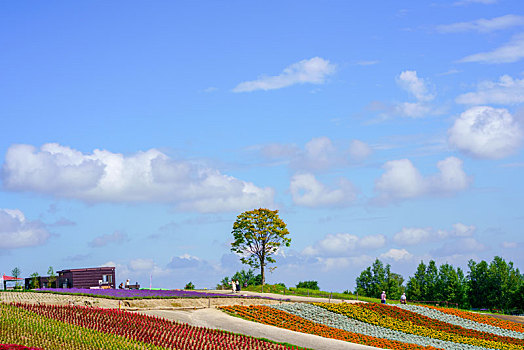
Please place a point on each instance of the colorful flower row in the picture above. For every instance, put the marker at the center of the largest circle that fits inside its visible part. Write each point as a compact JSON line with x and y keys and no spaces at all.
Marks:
{"x":267,"y":315}
{"x":459,"y":321}
{"x":320,"y":315}
{"x":19,"y":326}
{"x":357,"y":311}
{"x":155,"y":332}
{"x":421,"y":320}
{"x":15,"y":347}
{"x":517,"y":327}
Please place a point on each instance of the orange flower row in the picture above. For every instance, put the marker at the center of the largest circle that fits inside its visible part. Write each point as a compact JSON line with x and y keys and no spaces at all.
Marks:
{"x":481,"y":318}
{"x":282,"y":319}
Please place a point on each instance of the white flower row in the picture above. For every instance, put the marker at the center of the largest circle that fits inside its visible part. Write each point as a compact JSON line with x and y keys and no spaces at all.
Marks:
{"x":320,"y":315}
{"x":462,"y":322}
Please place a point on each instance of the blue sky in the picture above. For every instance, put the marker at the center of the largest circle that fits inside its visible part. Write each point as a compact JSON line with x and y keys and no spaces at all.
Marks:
{"x":133,"y":134}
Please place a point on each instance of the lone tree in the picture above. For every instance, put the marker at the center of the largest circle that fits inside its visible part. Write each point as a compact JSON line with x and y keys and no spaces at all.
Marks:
{"x":258,"y":234}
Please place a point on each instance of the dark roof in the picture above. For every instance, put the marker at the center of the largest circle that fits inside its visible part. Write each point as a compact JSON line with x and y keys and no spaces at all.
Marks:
{"x":89,"y":269}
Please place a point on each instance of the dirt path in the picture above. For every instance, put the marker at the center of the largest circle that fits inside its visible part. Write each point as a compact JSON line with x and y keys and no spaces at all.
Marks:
{"x":518,"y":319}
{"x":214,"y":318}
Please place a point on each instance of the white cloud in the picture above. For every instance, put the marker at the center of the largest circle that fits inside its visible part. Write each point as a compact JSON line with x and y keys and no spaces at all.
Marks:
{"x":421,"y":235}
{"x":486,"y":132}
{"x":416,"y":86}
{"x":318,"y":154}
{"x":17,"y":232}
{"x":149,"y":176}
{"x":461,"y":230}
{"x":372,"y":242}
{"x":509,"y":245}
{"x":397,"y":255}
{"x":116,"y":237}
{"x":506,"y":91}
{"x":313,"y":71}
{"x":513,"y":51}
{"x":483,"y":25}
{"x":460,"y":246}
{"x":466,"y":2}
{"x":344,"y":245}
{"x":359,"y":150}
{"x":401,"y":180}
{"x":307,"y":191}
{"x":184,"y":261}
{"x":413,"y":235}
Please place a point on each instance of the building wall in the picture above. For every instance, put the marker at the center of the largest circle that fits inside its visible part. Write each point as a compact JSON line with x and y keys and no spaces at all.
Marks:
{"x":86,"y":278}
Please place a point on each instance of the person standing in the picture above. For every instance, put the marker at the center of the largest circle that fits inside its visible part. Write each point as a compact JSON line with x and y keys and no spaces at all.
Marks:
{"x":383,"y":297}
{"x":233,"y":286}
{"x":403,"y":298}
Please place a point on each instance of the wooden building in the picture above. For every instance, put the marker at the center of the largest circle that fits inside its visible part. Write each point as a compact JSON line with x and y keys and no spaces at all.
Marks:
{"x":42,"y":282}
{"x":101,"y":277}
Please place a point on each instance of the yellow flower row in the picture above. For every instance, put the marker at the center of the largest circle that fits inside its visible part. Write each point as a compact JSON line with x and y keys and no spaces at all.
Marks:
{"x":365,"y":315}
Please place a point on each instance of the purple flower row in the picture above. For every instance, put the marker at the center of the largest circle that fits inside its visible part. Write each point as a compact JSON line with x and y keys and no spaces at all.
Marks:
{"x":143,"y":293}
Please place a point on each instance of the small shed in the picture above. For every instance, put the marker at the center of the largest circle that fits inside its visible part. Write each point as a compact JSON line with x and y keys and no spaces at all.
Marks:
{"x":6,"y":279}
{"x":94,"y":277}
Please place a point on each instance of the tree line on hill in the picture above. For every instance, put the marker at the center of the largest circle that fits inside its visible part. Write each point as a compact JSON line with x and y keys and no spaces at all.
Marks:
{"x":497,"y":285}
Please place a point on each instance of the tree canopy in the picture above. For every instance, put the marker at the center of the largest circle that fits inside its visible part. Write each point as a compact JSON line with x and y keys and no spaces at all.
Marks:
{"x":258,"y":234}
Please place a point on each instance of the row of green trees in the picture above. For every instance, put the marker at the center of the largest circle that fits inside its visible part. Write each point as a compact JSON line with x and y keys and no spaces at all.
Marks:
{"x":34,"y":282}
{"x":497,"y":285}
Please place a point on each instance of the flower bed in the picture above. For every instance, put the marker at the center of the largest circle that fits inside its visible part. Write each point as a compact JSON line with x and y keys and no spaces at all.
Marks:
{"x":267,"y":315}
{"x":460,"y":321}
{"x":480,"y":318}
{"x":385,"y":316}
{"x":73,"y":327}
{"x":320,"y":315}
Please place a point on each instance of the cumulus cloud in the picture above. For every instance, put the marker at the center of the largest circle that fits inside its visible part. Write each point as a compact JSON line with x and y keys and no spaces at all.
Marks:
{"x":312,"y":71}
{"x":413,"y":235}
{"x":506,"y":91}
{"x":318,"y":154}
{"x":467,"y":2}
{"x":509,"y":245}
{"x":486,"y":132}
{"x":116,"y":237}
{"x":416,"y":86}
{"x":402,"y":180}
{"x":359,"y":150}
{"x":344,"y":245}
{"x":307,"y":191}
{"x":483,"y":25}
{"x":464,"y":245}
{"x":184,"y":261}
{"x":461,"y":230}
{"x":17,"y":232}
{"x":420,"y":235}
{"x":397,"y":255}
{"x":512,"y":51}
{"x":149,"y":176}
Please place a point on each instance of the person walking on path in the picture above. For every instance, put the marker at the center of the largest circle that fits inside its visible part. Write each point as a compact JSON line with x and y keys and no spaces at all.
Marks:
{"x":403,"y":298}
{"x":383,"y":297}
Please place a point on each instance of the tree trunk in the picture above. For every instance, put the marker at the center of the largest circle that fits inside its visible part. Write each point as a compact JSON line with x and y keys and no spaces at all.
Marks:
{"x":262,"y":273}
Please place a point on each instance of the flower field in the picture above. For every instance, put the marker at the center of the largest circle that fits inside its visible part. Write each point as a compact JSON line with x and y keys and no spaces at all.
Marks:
{"x":73,"y":327}
{"x":141,"y":293}
{"x":391,"y":327}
